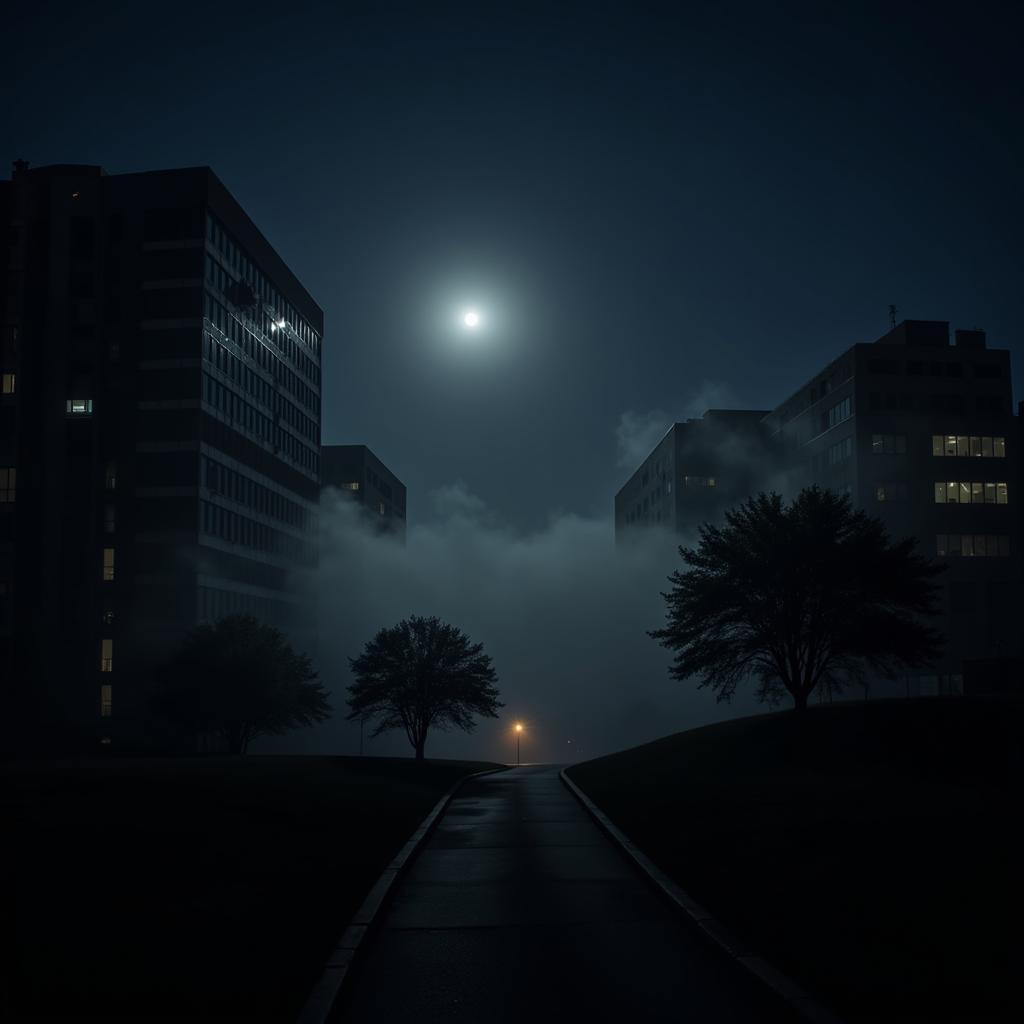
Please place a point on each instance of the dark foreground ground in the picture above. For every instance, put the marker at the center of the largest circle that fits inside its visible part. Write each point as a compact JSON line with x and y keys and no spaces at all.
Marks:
{"x":519,"y":909}
{"x":194,"y":888}
{"x":872,"y":851}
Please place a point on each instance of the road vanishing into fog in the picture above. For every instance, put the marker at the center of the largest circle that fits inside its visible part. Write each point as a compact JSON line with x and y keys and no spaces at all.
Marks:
{"x":520,"y":909}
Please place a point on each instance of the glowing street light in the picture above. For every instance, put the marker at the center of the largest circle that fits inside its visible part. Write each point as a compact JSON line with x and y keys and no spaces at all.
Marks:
{"x":519,"y":733}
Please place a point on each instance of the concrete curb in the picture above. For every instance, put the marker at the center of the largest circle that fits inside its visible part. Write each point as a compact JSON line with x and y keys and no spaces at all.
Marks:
{"x":802,"y":1004}
{"x":326,"y":991}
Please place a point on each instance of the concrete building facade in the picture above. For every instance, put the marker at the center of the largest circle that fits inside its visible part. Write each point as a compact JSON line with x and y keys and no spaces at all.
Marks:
{"x":162,"y":427}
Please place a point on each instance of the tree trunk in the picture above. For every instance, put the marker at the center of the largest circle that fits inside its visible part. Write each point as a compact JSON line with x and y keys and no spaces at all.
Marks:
{"x":799,"y":700}
{"x":420,"y":745}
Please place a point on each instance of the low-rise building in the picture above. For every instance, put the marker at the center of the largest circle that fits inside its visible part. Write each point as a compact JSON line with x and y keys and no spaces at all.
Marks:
{"x":359,"y":475}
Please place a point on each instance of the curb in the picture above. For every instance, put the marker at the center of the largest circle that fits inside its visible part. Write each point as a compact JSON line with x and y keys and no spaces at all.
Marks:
{"x":799,"y":1001}
{"x":325,"y":992}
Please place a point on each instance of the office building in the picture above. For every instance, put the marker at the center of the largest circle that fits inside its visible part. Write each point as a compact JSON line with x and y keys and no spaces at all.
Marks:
{"x":159,"y":435}
{"x":697,"y":470}
{"x":920,"y":432}
{"x":359,"y":475}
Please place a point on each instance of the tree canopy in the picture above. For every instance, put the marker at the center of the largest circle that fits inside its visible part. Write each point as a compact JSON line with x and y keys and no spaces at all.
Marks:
{"x":802,"y":595}
{"x":240,"y":678}
{"x":422,"y":674}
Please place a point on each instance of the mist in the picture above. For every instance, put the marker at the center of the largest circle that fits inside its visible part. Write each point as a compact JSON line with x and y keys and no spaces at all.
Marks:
{"x":562,"y":611}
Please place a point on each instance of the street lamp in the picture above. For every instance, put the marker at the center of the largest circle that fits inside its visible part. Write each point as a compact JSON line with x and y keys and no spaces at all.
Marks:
{"x":519,"y":733}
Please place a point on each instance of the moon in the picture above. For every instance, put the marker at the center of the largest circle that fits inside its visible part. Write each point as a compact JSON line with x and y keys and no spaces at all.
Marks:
{"x":471,"y":318}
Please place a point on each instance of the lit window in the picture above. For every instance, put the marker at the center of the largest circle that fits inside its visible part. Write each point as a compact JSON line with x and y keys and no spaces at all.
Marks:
{"x":108,"y":564}
{"x":79,"y":406}
{"x":380,"y":508}
{"x":108,"y":617}
{"x":106,"y":700}
{"x":963,"y":446}
{"x":352,"y":485}
{"x":8,"y":484}
{"x":7,"y":383}
{"x":106,"y":655}
{"x":975,"y":492}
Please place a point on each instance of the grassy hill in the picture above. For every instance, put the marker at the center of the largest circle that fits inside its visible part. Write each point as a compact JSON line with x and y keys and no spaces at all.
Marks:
{"x":872,"y":851}
{"x":175,"y":889}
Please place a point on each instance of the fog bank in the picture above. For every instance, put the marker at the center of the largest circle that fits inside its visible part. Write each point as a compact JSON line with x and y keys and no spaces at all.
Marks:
{"x":562,"y":612}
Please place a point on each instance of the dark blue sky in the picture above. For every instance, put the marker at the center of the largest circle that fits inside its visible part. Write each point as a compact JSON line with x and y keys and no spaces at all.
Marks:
{"x":642,"y":198}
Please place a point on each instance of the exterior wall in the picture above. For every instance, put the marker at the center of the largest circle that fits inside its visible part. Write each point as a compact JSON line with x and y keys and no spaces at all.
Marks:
{"x":163,"y":413}
{"x":358,"y":474}
{"x":698,"y":470}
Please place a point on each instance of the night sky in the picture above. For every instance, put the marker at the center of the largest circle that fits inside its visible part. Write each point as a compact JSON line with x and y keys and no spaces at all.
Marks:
{"x":652,"y":205}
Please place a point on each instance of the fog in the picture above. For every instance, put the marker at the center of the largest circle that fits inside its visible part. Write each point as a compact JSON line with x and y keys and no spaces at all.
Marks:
{"x":562,"y":611}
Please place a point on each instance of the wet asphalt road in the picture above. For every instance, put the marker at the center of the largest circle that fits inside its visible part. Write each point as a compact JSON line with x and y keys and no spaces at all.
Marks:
{"x":520,"y":909}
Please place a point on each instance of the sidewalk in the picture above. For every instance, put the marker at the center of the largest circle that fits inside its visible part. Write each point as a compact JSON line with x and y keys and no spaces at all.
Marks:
{"x":519,"y":909}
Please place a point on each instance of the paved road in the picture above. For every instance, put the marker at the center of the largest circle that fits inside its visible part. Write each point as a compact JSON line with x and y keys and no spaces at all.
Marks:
{"x":520,"y":909}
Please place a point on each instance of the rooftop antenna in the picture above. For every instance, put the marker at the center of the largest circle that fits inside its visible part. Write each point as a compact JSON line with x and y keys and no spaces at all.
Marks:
{"x":892,"y":316}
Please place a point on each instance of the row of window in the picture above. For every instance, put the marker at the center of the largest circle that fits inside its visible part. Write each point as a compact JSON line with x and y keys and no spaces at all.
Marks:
{"x":238,"y":529}
{"x":240,"y":262}
{"x":963,"y":445}
{"x":106,"y":655}
{"x":8,"y":383}
{"x":242,"y":489}
{"x":934,"y":368}
{"x":972,"y":545}
{"x":841,"y":411}
{"x":214,"y":604}
{"x":989,"y":404}
{"x":258,"y":349}
{"x":943,"y":445}
{"x":271,"y":326}
{"x":961,"y":493}
{"x":840,"y":450}
{"x":255,"y":422}
{"x":108,"y":565}
{"x":8,"y":484}
{"x":888,"y":444}
{"x":260,"y":389}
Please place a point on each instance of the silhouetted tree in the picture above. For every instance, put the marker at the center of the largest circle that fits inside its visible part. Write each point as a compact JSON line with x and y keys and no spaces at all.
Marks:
{"x":422,"y":673}
{"x":239,"y":678}
{"x":801,"y":595}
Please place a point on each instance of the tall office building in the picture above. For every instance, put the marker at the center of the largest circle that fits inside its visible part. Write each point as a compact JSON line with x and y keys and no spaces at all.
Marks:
{"x":159,"y":436}
{"x":920,"y":433}
{"x":359,"y":475}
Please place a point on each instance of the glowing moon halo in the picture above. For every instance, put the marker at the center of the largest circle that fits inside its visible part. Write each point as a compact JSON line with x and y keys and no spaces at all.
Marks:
{"x":471,"y":319}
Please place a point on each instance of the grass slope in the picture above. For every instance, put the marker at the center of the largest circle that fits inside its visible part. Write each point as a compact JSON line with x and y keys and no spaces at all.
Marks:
{"x":193,"y":888}
{"x":872,"y":851}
